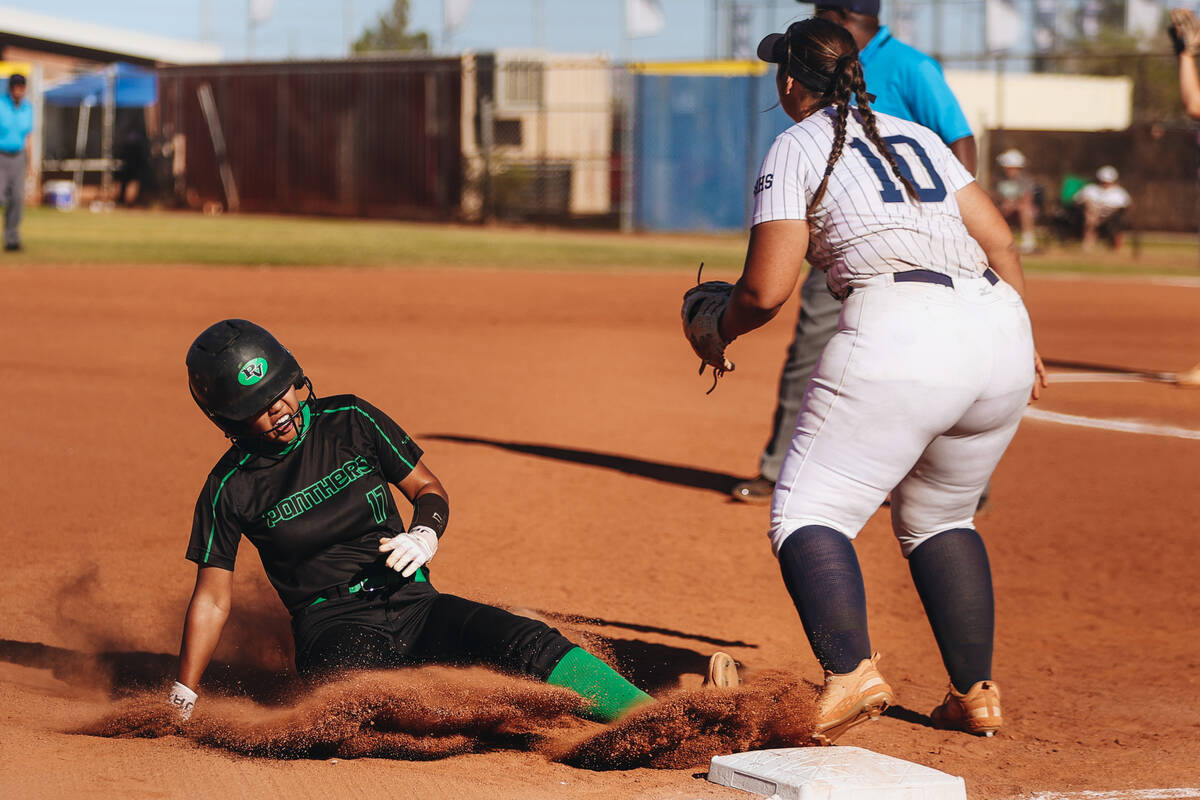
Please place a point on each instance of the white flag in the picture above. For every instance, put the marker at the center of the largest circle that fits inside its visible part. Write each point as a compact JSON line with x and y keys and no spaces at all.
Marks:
{"x":261,"y":10}
{"x":1089,"y":18}
{"x":454,"y":13}
{"x":1142,"y":17}
{"x":1003,"y":25}
{"x":644,"y":18}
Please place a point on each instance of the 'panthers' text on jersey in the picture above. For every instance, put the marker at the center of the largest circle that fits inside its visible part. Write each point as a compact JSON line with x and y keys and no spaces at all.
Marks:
{"x":315,"y":512}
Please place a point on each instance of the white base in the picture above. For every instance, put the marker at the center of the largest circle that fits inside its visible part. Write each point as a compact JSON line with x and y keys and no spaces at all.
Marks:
{"x":833,"y":773}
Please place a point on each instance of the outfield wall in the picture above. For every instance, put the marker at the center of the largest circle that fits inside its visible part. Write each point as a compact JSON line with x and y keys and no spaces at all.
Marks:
{"x":365,"y":137}
{"x":702,"y":129}
{"x":530,"y":136}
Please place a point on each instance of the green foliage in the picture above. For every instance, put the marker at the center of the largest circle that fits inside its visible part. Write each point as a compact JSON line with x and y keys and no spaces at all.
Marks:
{"x":390,"y":34}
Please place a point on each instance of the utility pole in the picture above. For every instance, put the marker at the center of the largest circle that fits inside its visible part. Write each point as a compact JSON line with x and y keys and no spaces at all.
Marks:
{"x":539,"y":24}
{"x":937,"y":30}
{"x":205,"y":21}
{"x":715,"y":16}
{"x":249,"y":30}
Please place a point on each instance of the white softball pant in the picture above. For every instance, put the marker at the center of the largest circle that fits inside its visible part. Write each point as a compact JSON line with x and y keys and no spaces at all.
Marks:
{"x":918,"y":394}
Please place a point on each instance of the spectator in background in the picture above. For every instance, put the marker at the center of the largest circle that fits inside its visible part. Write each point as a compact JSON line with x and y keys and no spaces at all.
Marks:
{"x":1103,"y":203}
{"x":1185,"y":34}
{"x":1015,"y":196}
{"x":16,"y":121}
{"x":134,"y":154}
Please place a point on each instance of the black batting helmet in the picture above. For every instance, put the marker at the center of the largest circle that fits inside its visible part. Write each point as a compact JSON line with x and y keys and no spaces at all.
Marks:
{"x":236,"y":369}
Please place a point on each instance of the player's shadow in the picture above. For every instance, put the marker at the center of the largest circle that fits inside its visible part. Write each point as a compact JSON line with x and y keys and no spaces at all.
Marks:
{"x":577,"y":619}
{"x":648,"y":665}
{"x":908,"y":715}
{"x":696,"y":478}
{"x":654,"y":667}
{"x":125,"y":672}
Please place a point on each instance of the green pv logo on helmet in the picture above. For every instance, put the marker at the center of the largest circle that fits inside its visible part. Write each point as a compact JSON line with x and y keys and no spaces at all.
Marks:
{"x":252,"y":371}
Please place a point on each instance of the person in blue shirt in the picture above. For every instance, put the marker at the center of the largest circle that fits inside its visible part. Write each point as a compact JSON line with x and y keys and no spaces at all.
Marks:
{"x":908,"y":84}
{"x":16,"y":122}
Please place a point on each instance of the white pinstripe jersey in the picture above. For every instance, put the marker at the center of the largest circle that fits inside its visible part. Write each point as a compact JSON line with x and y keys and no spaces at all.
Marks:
{"x":866,"y":224}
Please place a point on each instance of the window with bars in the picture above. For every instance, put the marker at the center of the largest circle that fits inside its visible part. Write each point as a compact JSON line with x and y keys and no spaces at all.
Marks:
{"x":522,"y":84}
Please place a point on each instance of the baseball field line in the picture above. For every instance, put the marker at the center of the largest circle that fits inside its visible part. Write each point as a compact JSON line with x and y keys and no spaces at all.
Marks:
{"x":1178,"y":281}
{"x":1120,"y":425}
{"x":1121,"y":794}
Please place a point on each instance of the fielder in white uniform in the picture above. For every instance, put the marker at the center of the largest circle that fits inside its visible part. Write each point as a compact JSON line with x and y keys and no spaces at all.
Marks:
{"x":918,"y":393}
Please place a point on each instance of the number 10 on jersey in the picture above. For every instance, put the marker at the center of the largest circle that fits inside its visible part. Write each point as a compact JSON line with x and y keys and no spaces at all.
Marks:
{"x":891,"y":193}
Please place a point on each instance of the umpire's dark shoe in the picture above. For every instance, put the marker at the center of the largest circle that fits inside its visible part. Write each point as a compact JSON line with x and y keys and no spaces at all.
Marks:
{"x":757,"y":490}
{"x":12,"y":247}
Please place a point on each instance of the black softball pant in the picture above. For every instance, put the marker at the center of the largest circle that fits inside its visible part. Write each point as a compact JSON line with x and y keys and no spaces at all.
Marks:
{"x":414,"y":624}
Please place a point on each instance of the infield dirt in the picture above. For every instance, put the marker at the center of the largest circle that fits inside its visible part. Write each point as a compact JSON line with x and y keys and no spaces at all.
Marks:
{"x":588,"y":475}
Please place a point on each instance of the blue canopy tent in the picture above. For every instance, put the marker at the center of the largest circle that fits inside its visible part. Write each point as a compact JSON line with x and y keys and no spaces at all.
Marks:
{"x":132,"y":87}
{"x":118,"y":85}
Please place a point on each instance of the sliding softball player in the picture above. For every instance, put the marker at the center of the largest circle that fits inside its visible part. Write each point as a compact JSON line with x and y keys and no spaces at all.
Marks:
{"x":306,"y":481}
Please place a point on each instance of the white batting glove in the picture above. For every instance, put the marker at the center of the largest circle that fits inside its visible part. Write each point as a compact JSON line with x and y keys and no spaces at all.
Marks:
{"x":182,"y":700}
{"x":410,"y":551}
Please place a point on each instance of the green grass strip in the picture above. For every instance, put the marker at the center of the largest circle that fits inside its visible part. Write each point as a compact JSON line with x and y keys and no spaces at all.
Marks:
{"x":81,"y":238}
{"x":163,"y":239}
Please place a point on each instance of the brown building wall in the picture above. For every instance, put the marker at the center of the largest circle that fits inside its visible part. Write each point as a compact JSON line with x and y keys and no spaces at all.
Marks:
{"x":354,"y":138}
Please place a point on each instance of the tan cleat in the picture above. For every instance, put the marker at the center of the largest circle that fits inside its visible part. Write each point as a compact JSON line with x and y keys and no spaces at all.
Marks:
{"x":850,"y":699}
{"x":722,"y":672}
{"x":977,"y":711}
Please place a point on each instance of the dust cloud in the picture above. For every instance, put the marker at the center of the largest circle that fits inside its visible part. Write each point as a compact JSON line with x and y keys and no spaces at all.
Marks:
{"x":435,"y":712}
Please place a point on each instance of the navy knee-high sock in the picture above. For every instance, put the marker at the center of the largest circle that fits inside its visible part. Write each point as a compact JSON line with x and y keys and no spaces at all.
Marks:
{"x":953,"y":578}
{"x":822,"y":575}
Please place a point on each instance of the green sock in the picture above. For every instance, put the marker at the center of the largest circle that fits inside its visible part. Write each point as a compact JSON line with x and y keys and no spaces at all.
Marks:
{"x":608,"y":695}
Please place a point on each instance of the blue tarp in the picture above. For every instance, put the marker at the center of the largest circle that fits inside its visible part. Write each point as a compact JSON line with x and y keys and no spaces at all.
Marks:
{"x":700,"y":141}
{"x":135,"y":88}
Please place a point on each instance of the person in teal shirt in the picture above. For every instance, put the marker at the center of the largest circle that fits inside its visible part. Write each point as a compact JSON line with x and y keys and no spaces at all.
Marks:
{"x":16,"y":122}
{"x":906,"y":82}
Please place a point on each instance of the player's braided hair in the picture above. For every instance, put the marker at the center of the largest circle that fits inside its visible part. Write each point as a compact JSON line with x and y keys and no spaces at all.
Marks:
{"x":824,"y":59}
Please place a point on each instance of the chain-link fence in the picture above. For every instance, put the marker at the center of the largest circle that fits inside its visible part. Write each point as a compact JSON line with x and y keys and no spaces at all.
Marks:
{"x":543,"y":138}
{"x":1150,"y":141}
{"x":575,"y":140}
{"x":355,"y":138}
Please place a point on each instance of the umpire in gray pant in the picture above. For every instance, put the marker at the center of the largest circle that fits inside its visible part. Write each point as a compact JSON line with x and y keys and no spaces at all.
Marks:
{"x":16,"y":122}
{"x":818,"y":322}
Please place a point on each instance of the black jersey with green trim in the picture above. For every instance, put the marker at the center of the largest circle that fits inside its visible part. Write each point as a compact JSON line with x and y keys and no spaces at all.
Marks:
{"x":314,"y":512}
